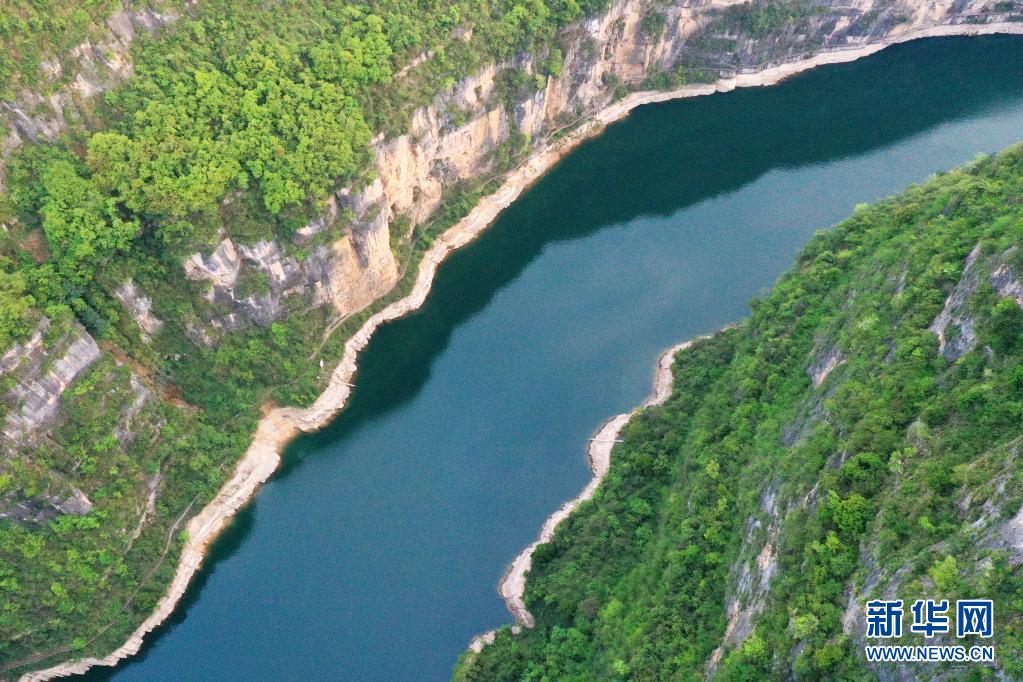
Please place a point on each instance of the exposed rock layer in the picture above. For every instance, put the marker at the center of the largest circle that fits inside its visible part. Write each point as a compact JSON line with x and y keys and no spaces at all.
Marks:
{"x":359,"y":266}
{"x":953,"y":326}
{"x":457,"y":137}
{"x":42,"y":376}
{"x":90,"y":69}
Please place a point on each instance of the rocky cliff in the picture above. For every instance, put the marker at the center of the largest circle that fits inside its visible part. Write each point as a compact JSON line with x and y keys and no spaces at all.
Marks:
{"x":358,"y":249}
{"x":67,"y":83}
{"x":347,"y":259}
{"x":636,"y":44}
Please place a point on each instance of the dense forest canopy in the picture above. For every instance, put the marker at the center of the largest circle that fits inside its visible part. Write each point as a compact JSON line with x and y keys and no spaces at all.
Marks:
{"x":276,"y":100}
{"x":33,"y":32}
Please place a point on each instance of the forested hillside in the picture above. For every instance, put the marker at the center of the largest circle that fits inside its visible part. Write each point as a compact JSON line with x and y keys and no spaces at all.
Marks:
{"x":201,"y":202}
{"x":32,"y":33}
{"x":240,"y":116}
{"x":857,"y":438}
{"x":277,"y":106}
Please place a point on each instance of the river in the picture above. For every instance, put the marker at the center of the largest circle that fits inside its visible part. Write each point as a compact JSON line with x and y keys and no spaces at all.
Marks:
{"x":375,"y":552}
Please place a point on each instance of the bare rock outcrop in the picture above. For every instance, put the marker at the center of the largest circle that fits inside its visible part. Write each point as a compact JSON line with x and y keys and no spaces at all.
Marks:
{"x":77,"y":504}
{"x":359,"y":266}
{"x":348,"y":273}
{"x":1005,"y":282}
{"x":954,"y":327}
{"x":89,"y":68}
{"x":41,"y":376}
{"x":140,"y":306}
{"x":220,"y":267}
{"x":824,"y":364}
{"x":751,"y":574}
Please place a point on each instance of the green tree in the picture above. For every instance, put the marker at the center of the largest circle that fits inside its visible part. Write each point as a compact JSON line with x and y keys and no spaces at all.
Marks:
{"x":82,"y":226}
{"x":14,"y":305}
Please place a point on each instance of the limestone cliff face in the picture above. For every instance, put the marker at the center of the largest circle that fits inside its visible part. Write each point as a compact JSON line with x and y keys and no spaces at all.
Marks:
{"x":41,"y":372}
{"x":40,"y":378}
{"x":344,"y":257}
{"x":140,"y":307}
{"x":36,"y":373}
{"x":89,"y":69}
{"x":347,"y":266}
{"x":456,"y":137}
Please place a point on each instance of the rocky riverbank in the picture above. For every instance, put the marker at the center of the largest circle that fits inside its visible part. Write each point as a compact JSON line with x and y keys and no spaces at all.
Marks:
{"x":280,"y":425}
{"x":513,"y":583}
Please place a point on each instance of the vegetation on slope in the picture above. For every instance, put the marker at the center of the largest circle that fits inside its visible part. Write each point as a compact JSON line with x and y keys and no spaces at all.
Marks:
{"x":279,"y":103}
{"x":242,"y":115}
{"x":33,"y":31}
{"x":897,"y":475}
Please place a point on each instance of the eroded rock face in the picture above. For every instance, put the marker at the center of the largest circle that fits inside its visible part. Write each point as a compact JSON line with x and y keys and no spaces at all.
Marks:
{"x":96,"y":67}
{"x":220,"y":267}
{"x":752,"y":574}
{"x":824,"y":364}
{"x":360,"y":266}
{"x":266,"y":256}
{"x":955,"y":329}
{"x":954,"y":326}
{"x":140,"y":306}
{"x":41,"y":377}
{"x":350,"y":263}
{"x":348,"y":274}
{"x":77,"y":504}
{"x":19,"y":352}
{"x":1004,"y":280}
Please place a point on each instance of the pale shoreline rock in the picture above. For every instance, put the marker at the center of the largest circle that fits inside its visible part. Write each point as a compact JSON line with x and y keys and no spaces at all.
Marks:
{"x":513,"y":583}
{"x":280,"y":425}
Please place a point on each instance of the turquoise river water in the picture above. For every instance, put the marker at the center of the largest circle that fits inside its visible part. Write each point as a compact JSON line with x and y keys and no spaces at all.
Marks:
{"x":375,"y":552}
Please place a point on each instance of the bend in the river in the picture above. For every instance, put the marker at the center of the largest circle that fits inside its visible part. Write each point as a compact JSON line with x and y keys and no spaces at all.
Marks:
{"x":375,"y":552}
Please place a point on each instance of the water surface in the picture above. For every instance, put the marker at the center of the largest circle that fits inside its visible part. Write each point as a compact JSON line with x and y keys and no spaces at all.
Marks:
{"x":375,"y":553}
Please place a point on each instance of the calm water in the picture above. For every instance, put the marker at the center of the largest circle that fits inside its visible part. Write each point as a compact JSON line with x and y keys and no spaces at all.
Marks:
{"x":375,"y":553}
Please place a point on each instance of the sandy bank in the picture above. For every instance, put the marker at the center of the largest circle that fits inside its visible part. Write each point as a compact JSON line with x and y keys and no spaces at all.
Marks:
{"x":280,"y":425}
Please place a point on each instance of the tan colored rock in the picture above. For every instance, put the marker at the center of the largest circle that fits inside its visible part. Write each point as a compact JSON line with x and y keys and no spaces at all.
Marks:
{"x":43,"y":374}
{"x":408,"y":182}
{"x":140,"y":306}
